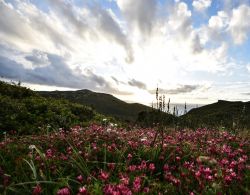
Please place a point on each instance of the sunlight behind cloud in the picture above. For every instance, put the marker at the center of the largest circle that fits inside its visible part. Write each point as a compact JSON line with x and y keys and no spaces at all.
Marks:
{"x":128,"y":48}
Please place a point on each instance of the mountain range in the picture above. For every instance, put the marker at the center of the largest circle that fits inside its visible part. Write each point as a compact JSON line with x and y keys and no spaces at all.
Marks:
{"x":221,"y":113}
{"x":26,"y":109}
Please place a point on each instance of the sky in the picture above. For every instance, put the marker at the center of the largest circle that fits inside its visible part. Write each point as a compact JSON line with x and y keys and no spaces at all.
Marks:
{"x":195,"y":51}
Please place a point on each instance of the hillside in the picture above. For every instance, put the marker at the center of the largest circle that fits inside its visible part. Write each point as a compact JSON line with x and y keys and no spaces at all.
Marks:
{"x":222,"y":113}
{"x":26,"y":112}
{"x":103,"y":103}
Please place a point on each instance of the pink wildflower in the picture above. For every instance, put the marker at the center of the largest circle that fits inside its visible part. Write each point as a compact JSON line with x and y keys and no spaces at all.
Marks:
{"x":80,"y":178}
{"x":198,"y":174}
{"x":37,"y":190}
{"x":176,"y":181}
{"x":132,"y":168}
{"x":130,"y":156}
{"x":233,"y":164}
{"x":146,"y":190}
{"x":104,"y":175}
{"x":63,"y":191}
{"x":82,"y":191}
{"x":143,"y":164}
{"x":111,"y":166}
{"x":224,"y":161}
{"x":137,"y":184}
{"x":227,"y":179}
{"x":165,"y":167}
{"x":207,"y":171}
{"x":124,"y":180}
{"x":151,"y":167}
{"x":49,"y":153}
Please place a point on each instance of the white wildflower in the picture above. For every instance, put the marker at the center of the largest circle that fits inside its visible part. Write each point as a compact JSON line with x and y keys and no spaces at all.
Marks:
{"x":31,"y":147}
{"x":144,"y":139}
{"x":109,"y":130}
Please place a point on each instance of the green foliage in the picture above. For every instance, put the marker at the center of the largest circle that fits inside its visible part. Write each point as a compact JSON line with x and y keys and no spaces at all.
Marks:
{"x":15,"y":91}
{"x":103,"y":103}
{"x":26,"y":112}
{"x":153,"y":117}
{"x":223,"y":114}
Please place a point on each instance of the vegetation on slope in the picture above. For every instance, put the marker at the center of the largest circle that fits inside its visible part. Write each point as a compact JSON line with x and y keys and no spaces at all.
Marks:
{"x":25,"y":111}
{"x":153,"y":117}
{"x":233,"y":115}
{"x":103,"y":103}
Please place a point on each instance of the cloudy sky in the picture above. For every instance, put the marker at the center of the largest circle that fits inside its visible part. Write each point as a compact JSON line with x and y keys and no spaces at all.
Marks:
{"x":195,"y":51}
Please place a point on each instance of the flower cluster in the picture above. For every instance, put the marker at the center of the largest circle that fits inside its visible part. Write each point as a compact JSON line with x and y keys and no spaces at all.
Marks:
{"x":112,"y":160}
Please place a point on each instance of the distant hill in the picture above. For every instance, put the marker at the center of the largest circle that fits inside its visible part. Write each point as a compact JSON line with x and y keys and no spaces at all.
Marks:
{"x":222,"y":113}
{"x":103,"y":103}
{"x":26,"y":112}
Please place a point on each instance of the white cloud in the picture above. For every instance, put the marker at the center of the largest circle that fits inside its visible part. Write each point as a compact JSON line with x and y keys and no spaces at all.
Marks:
{"x":180,"y":20}
{"x":216,"y":31}
{"x":240,"y":25}
{"x":91,"y":43}
{"x":201,"y":5}
{"x":229,"y":23}
{"x":219,"y":21}
{"x":139,"y":14}
{"x":180,"y":89}
{"x":22,"y":36}
{"x":59,"y":30}
{"x":38,"y":58}
{"x":248,"y":67}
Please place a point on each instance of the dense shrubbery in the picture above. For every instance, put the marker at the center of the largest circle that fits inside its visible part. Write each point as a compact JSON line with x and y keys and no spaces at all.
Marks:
{"x":15,"y":91}
{"x":111,"y":160}
{"x":231,"y":115}
{"x":24,"y":111}
{"x":153,"y":117}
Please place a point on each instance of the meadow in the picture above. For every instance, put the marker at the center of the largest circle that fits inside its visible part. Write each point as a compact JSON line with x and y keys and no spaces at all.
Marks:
{"x":106,"y":159}
{"x":124,"y":97}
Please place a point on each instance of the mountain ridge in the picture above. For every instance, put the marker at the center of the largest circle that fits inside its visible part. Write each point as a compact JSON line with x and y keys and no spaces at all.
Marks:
{"x":230,"y":114}
{"x":103,"y":103}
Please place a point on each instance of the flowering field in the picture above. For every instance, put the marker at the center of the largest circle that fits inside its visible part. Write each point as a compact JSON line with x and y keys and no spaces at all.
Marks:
{"x":111,"y":160}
